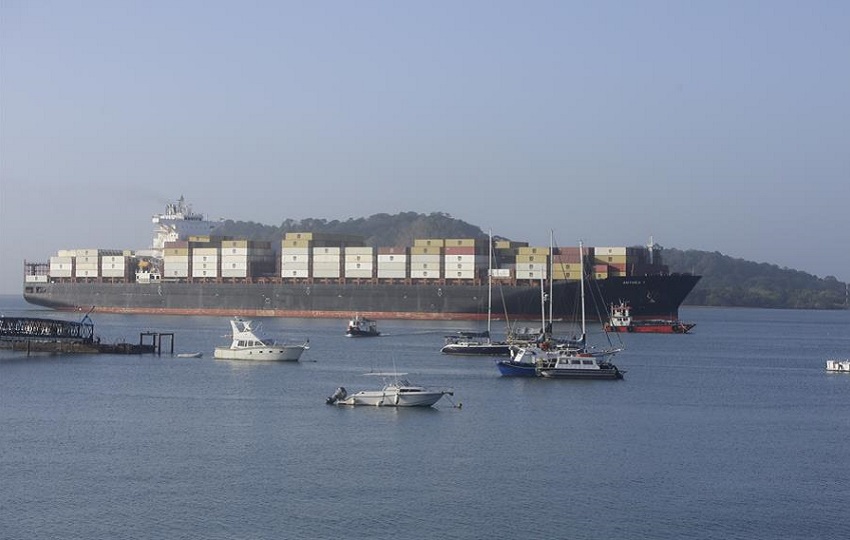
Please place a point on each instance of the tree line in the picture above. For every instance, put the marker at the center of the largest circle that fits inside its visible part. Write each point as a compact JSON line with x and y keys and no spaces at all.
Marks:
{"x":726,"y":281}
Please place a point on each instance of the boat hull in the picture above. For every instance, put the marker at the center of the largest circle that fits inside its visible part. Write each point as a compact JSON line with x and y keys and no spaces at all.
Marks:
{"x":287,"y":353}
{"x":480,"y":349}
{"x":570,"y":373}
{"x":657,"y":296}
{"x":672,"y":327}
{"x":508,"y":368}
{"x":361,"y":333}
{"x":393,"y":399}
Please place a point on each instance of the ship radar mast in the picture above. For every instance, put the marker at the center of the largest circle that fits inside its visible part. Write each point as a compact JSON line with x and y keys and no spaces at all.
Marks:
{"x":653,"y":248}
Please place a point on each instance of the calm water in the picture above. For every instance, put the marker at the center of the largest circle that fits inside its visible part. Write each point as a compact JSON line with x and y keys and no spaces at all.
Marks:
{"x":734,"y":431}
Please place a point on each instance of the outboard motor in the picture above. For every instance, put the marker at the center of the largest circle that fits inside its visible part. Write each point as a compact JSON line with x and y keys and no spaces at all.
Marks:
{"x":339,"y":395}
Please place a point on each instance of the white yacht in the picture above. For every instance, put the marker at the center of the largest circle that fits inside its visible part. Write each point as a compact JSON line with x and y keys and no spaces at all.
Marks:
{"x":246,"y":345}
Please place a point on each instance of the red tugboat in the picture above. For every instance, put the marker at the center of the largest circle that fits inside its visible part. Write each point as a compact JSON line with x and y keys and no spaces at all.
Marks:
{"x":621,"y":321}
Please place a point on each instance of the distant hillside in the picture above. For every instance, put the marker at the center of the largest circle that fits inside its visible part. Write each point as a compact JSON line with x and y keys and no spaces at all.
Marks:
{"x":726,"y":281}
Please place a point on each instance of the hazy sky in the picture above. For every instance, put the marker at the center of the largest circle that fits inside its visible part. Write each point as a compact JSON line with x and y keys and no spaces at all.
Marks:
{"x":719,"y":126}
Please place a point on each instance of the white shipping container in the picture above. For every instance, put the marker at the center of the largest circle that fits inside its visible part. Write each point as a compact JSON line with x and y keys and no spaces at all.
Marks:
{"x":60,"y":271}
{"x":426,"y":258}
{"x":328,"y":264}
{"x":426,"y":266}
{"x":294,"y":273}
{"x":67,"y":253}
{"x":531,"y":267}
{"x":359,"y":250}
{"x":424,"y":274}
{"x":294,"y":258}
{"x":87,"y":259}
{"x":231,"y":273}
{"x":287,"y":251}
{"x":113,"y":272}
{"x":500,"y":272}
{"x":461,"y":266}
{"x":85,"y":272}
{"x":329,"y":250}
{"x":61,"y":260}
{"x":391,"y":274}
{"x":358,"y":273}
{"x":204,"y":259}
{"x":36,"y":279}
{"x":392,"y":266}
{"x":327,"y":273}
{"x":86,"y":252}
{"x":461,"y":274}
{"x":326,"y":259}
{"x":533,"y":274}
{"x":478,"y":260}
{"x":176,"y":269}
{"x":384,"y":258}
{"x":207,"y":273}
{"x":295,"y":266}
{"x":358,"y":265}
{"x":358,"y":257}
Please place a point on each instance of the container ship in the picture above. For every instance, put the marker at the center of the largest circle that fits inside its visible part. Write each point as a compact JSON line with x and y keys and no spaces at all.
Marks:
{"x":189,"y":270}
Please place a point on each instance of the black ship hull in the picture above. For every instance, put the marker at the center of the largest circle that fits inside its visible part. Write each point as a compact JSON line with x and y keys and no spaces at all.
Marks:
{"x":649,"y":297}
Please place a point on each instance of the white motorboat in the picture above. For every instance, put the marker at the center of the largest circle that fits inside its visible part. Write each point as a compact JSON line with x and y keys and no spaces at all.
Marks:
{"x":397,"y":392}
{"x":247,"y":345}
{"x":840,"y":366}
{"x":189,"y":355}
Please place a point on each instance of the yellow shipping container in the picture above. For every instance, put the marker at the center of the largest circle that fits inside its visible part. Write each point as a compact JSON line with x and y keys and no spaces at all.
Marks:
{"x":532,"y":258}
{"x":533,"y":250}
{"x":429,"y":242}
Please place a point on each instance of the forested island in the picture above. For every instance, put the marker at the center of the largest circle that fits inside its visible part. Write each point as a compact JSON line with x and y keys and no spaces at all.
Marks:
{"x":726,"y":281}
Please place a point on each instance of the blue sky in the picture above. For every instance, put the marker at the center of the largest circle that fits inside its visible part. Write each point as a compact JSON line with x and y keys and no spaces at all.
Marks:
{"x":719,"y":126}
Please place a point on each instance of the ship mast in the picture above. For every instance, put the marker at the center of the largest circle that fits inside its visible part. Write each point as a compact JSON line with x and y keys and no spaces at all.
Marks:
{"x":581,"y":265}
{"x":489,"y":279}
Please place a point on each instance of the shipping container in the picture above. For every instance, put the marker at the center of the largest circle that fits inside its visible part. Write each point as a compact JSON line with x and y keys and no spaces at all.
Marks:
{"x":429,"y":242}
{"x":532,"y":250}
{"x":389,"y":273}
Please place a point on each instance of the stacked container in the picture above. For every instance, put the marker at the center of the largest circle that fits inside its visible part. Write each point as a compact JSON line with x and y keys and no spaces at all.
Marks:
{"x":393,"y":262}
{"x":175,"y":260}
{"x":359,"y":262}
{"x":464,"y":258}
{"x":532,"y":263}
{"x":426,"y":259}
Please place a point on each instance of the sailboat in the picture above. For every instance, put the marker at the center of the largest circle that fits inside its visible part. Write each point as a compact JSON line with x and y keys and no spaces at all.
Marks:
{"x":554,"y":361}
{"x":465,"y":343}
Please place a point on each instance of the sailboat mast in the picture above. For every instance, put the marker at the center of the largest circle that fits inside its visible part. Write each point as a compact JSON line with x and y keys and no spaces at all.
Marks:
{"x":549,"y":275}
{"x":581,"y":265}
{"x":489,"y":279}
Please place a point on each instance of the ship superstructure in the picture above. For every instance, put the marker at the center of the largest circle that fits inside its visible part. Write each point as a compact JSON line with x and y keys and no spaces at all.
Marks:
{"x":179,"y":222}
